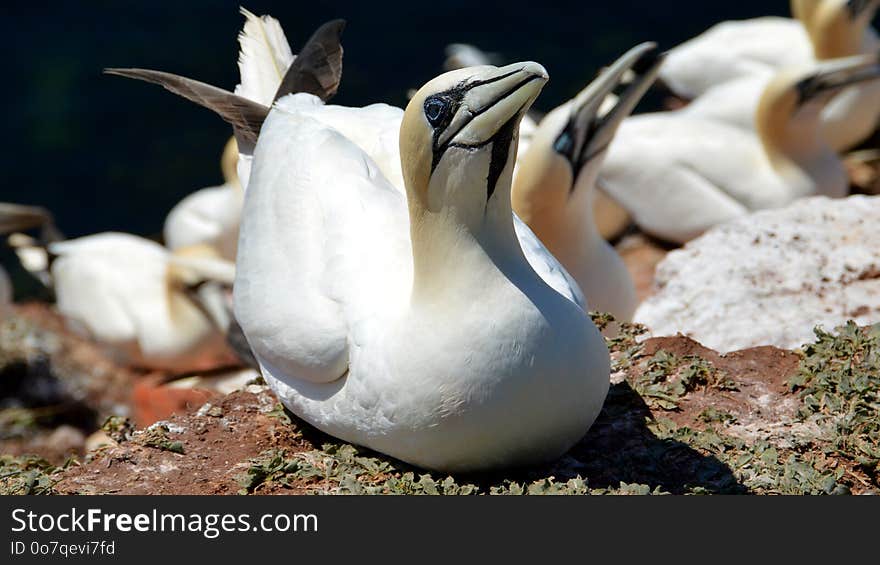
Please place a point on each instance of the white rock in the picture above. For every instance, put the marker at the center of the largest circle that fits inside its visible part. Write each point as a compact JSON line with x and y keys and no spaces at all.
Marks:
{"x":770,"y":278}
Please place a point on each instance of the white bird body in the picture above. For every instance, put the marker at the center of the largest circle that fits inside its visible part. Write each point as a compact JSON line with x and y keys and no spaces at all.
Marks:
{"x":209,"y":216}
{"x":431,"y":340}
{"x":689,"y":174}
{"x":121,"y":291}
{"x":734,"y":102}
{"x":733,"y":50}
{"x":679,"y":174}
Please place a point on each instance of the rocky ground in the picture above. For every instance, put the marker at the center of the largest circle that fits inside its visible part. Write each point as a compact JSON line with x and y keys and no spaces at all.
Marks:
{"x":680,"y":418}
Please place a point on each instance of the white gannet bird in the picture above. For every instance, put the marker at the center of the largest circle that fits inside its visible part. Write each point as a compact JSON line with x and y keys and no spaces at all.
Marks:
{"x":144,"y":305}
{"x":554,"y":189}
{"x":679,"y":175}
{"x":733,"y":50}
{"x":840,"y":29}
{"x":211,"y":216}
{"x":414,"y":325}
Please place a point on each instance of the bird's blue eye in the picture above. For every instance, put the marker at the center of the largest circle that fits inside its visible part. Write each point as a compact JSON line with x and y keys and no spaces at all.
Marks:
{"x":435,"y":110}
{"x":564,"y":144}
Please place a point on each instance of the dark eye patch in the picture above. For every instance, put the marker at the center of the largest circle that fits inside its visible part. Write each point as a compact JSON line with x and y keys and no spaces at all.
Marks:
{"x":436,"y":109}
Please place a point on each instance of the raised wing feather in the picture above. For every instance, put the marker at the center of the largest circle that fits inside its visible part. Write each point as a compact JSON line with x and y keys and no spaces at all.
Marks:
{"x":318,"y":66}
{"x":245,"y":116}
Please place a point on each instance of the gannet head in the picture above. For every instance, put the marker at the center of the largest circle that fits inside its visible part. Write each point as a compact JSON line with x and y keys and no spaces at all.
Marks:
{"x":559,"y":169}
{"x":458,"y":139}
{"x":837,"y":27}
{"x":789,"y":112}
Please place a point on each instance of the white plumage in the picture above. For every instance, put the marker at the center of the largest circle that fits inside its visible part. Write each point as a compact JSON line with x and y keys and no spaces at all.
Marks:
{"x":128,"y":294}
{"x":733,"y":50}
{"x":432,"y":341}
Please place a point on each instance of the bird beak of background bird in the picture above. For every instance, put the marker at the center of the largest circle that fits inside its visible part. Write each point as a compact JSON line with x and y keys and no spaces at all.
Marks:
{"x":591,"y":133}
{"x":494,"y":97}
{"x":836,"y":75}
{"x":14,"y":217}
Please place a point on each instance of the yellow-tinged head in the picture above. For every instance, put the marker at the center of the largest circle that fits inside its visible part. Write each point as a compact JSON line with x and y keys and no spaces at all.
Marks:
{"x":837,"y":27}
{"x":459,"y":132}
{"x":788,"y":115}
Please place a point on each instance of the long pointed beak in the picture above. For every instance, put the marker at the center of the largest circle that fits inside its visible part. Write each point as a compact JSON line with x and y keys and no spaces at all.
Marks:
{"x":15,"y":217}
{"x":836,"y":75}
{"x":589,"y":132}
{"x":493,"y":98}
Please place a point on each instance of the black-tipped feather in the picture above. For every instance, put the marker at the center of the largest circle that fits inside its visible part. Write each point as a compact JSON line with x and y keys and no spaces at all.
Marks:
{"x":317,"y":68}
{"x":245,"y":116}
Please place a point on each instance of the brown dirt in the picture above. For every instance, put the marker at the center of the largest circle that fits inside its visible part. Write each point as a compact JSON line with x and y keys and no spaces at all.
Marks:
{"x":763,"y":405}
{"x":79,"y":387}
{"x":217,"y":442}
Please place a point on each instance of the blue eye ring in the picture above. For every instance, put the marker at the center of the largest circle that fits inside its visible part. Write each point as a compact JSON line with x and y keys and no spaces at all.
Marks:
{"x":435,"y":110}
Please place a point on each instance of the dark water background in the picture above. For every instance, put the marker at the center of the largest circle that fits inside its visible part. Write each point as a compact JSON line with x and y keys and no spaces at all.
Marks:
{"x":106,"y":153}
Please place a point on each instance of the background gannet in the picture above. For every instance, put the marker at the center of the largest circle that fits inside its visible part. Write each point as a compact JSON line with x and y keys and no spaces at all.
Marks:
{"x":138,"y":300}
{"x":694,"y":173}
{"x":414,"y":325}
{"x":839,"y":29}
{"x":736,"y":49}
{"x":554,"y":188}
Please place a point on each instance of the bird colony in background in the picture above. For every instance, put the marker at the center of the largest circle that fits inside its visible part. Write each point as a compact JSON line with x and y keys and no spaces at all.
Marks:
{"x":418,"y":280}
